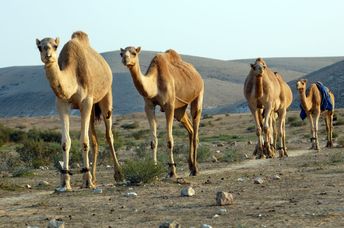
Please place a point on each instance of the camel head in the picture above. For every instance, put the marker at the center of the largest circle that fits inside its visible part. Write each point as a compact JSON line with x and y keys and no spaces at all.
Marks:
{"x":130,"y":56}
{"x":47,"y":47}
{"x":258,"y":67}
{"x":301,"y":85}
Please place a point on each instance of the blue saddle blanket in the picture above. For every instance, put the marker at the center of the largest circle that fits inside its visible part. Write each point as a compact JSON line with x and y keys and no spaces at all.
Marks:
{"x":326,"y":103}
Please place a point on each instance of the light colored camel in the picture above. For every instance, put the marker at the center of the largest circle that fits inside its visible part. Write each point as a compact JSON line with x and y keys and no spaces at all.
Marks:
{"x":172,"y":84}
{"x":81,"y":79}
{"x":311,"y":104}
{"x":267,"y":94}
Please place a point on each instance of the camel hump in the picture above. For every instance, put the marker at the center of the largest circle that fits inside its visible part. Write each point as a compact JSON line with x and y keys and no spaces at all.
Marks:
{"x":173,"y":55}
{"x":81,"y":37}
{"x":261,"y":61}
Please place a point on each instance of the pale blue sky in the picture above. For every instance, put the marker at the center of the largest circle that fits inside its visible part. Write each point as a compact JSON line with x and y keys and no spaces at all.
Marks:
{"x":221,"y":29}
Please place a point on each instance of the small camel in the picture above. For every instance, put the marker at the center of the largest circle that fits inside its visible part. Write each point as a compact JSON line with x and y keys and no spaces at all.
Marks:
{"x":172,"y":84}
{"x":311,"y":104}
{"x":267,"y":94}
{"x":81,"y":79}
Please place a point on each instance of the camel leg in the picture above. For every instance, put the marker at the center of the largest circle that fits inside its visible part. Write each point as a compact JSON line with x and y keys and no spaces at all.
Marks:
{"x":85,"y":112}
{"x":313,"y":136}
{"x":331,"y":129}
{"x":169,"y":112}
{"x":64,"y":109}
{"x":283,"y":148}
{"x":106,"y":109}
{"x":150,"y":113}
{"x":269,"y":151}
{"x":328,"y":122}
{"x":94,"y":146}
{"x":258,"y":152}
{"x":196,"y":112}
{"x":183,"y":118}
{"x":317,"y":147}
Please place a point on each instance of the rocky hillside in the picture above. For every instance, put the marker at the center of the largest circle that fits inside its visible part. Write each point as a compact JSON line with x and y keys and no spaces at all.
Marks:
{"x":24,"y":90}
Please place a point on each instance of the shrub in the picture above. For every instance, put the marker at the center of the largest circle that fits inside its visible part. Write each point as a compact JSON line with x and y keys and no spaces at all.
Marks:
{"x":140,"y":134}
{"x":207,"y":116}
{"x":337,"y":157}
{"x":203,"y":153}
{"x":251,"y":128}
{"x":133,"y":125}
{"x":46,"y":135}
{"x":142,"y":171}
{"x":231,"y":155}
{"x":298,"y":123}
{"x":338,"y":122}
{"x":23,"y":172}
{"x":38,"y":153}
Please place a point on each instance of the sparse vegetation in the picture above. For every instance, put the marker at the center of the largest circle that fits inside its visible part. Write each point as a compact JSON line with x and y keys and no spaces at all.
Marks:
{"x":142,"y":171}
{"x":132,"y":125}
{"x":231,"y":155}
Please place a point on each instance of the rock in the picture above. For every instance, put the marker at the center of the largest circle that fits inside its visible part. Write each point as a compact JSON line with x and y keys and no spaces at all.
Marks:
{"x":218,"y":151}
{"x":240,"y":179}
{"x":224,"y":198}
{"x":98,"y":190}
{"x":246,"y":156}
{"x":32,"y":227}
{"x":108,"y":166}
{"x":131,"y":194}
{"x":214,"y":158}
{"x":276,"y":177}
{"x":216,"y":216}
{"x":169,"y":224}
{"x":28,"y":186}
{"x":222,"y":211}
{"x":220,"y":145}
{"x":206,"y":226}
{"x":55,"y":224}
{"x":234,"y":143}
{"x":187,"y":191}
{"x":43,"y":183}
{"x":250,"y":142}
{"x":258,"y":180}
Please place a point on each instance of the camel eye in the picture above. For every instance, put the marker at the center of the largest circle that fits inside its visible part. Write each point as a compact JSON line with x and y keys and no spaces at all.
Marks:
{"x":134,"y":53}
{"x":55,"y":47}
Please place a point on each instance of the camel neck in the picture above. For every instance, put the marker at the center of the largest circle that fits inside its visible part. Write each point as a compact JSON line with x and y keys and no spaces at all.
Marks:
{"x":60,"y":82}
{"x":259,"y":86}
{"x":305,"y":100}
{"x":143,"y":83}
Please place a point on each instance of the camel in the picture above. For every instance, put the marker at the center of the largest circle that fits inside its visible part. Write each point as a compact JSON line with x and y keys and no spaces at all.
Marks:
{"x":267,"y":94}
{"x":173,"y":85}
{"x":311,"y":103}
{"x":81,"y":79}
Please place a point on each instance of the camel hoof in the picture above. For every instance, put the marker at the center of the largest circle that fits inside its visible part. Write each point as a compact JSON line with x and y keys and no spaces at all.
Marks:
{"x":63,"y":189}
{"x":329,"y":145}
{"x":172,"y":175}
{"x":194,"y":173}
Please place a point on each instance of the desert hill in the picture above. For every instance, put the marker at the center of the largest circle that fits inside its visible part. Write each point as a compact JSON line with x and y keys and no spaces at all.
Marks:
{"x":24,"y":90}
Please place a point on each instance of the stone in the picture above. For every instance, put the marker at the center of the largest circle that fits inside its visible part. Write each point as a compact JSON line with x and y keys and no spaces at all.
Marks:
{"x":258,"y":180}
{"x":55,"y":224}
{"x":43,"y":183}
{"x":187,"y":191}
{"x":214,"y":159}
{"x":206,"y":226}
{"x":28,"y":186}
{"x":98,"y":190}
{"x":169,"y":224}
{"x":249,"y":142}
{"x":240,"y":179}
{"x":131,"y":194}
{"x":276,"y":177}
{"x":224,"y":198}
{"x":223,"y":211}
{"x":220,"y":145}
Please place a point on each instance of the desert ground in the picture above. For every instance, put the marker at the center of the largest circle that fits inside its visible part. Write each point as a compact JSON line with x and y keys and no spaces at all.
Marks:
{"x":308,"y":193}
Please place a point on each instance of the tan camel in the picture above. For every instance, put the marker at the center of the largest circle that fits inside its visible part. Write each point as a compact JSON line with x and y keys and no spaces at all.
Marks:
{"x":267,"y":94}
{"x":81,"y":79}
{"x":172,"y":84}
{"x":311,"y":104}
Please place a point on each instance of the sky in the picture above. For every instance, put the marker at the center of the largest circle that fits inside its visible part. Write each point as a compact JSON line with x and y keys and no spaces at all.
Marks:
{"x":219,"y":29}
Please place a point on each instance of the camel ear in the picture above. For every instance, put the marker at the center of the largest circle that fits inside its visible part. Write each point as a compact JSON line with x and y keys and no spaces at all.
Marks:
{"x":57,"y":41}
{"x":304,"y":81}
{"x":122,"y":50}
{"x":252,"y":66}
{"x":38,"y":42}
{"x":138,"y":50}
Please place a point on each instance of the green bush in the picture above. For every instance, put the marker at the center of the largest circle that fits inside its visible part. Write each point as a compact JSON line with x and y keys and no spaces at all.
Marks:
{"x":203,"y":153}
{"x":142,"y":171}
{"x":133,"y":125}
{"x":298,"y":123}
{"x":46,"y":135}
{"x":38,"y":153}
{"x":231,"y":155}
{"x":337,"y":157}
{"x":23,"y":172}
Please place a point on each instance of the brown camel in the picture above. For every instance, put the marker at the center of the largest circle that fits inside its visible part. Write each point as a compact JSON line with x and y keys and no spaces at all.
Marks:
{"x":267,"y":94}
{"x":172,"y":84}
{"x":311,"y":104}
{"x":81,"y":79}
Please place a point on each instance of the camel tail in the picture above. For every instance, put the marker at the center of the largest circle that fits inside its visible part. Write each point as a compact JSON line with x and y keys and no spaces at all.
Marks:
{"x":97,"y":112}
